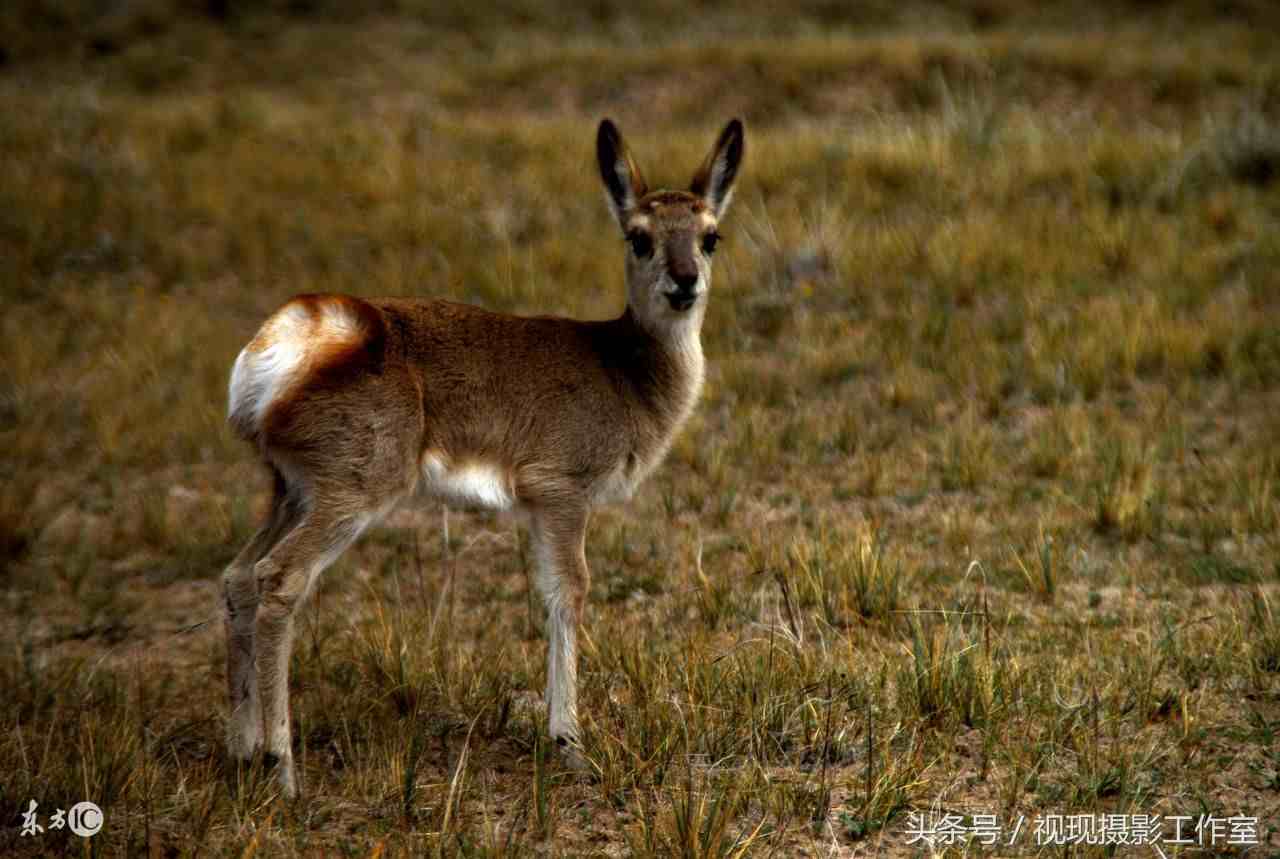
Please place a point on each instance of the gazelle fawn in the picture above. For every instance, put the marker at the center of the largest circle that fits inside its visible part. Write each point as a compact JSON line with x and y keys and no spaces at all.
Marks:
{"x":353,"y":404}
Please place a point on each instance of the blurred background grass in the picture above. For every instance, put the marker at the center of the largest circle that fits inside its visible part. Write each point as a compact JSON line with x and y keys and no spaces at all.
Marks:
{"x":1000,"y":286}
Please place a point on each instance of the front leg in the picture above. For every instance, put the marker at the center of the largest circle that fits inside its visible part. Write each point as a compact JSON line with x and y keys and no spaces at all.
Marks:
{"x":559,"y":538}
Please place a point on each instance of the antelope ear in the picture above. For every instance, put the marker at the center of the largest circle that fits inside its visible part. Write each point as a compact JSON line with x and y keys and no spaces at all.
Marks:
{"x":714,"y":180}
{"x":622,"y":180}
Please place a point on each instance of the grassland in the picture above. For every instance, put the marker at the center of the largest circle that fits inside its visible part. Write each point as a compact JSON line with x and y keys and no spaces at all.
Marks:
{"x":980,"y":511}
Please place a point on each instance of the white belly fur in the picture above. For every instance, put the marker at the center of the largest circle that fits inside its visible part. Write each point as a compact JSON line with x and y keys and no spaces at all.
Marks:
{"x":617,"y":486}
{"x":472,"y":484}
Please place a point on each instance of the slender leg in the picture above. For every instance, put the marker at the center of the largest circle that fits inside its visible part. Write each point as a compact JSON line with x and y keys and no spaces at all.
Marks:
{"x":283,"y":577}
{"x":562,"y":577}
{"x":240,"y":598}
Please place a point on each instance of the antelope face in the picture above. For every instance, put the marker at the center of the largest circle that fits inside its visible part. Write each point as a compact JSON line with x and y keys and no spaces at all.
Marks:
{"x":670,"y":240}
{"x":670,"y":235}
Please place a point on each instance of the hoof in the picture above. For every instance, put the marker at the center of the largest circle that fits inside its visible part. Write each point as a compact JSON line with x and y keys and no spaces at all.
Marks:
{"x":571,"y":756}
{"x":241,"y":747}
{"x":283,"y":769}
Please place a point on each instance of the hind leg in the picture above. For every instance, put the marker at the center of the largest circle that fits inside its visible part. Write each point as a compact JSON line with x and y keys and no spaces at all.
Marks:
{"x":240,"y":609}
{"x":283,"y":578}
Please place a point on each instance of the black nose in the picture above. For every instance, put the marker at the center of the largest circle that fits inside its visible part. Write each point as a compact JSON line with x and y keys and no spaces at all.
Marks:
{"x":686,"y":281}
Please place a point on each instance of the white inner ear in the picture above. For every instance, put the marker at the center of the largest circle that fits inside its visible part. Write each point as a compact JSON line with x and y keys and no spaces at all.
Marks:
{"x":723,"y":203}
{"x":717,"y":194}
{"x":623,"y":172}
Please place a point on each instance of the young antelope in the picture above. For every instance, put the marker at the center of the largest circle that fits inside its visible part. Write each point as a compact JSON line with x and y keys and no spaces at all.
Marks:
{"x":353,"y":404}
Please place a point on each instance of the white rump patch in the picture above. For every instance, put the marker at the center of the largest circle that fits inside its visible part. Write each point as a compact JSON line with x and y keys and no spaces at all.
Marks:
{"x":275,"y":356}
{"x":473,"y":484}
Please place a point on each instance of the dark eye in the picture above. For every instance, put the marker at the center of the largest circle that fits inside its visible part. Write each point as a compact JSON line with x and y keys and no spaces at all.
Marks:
{"x":709,"y":243}
{"x":641,"y":243}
